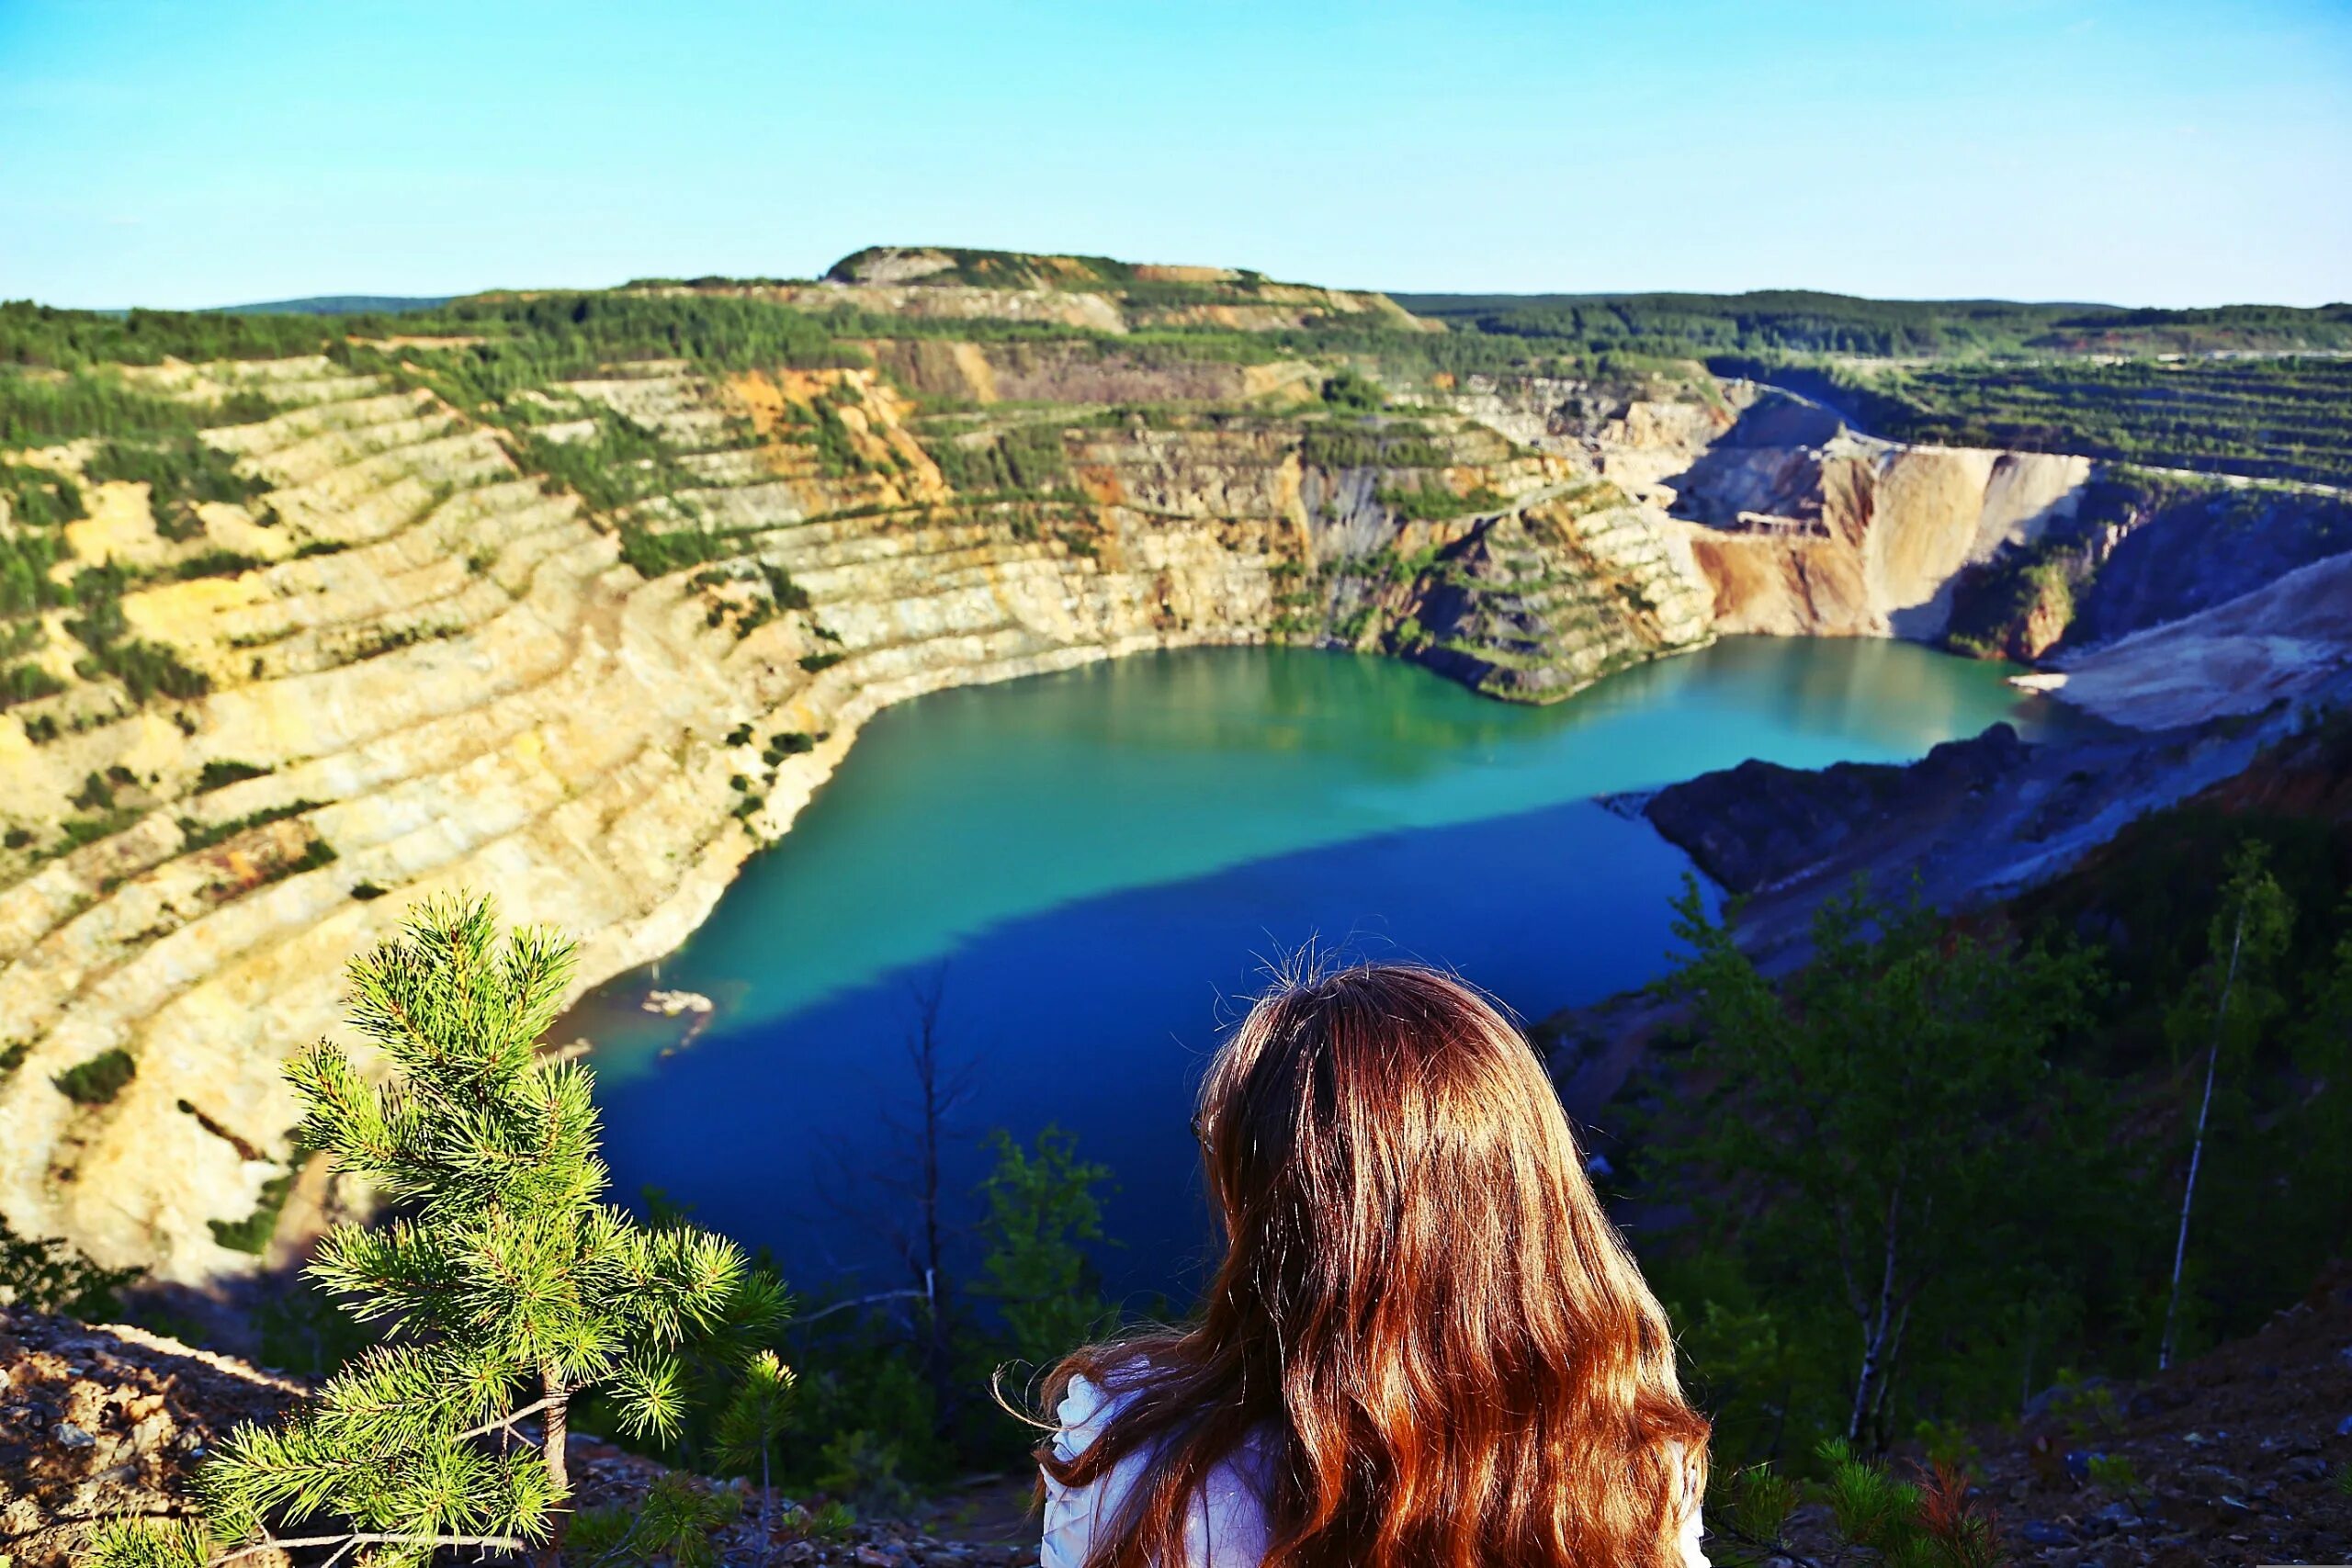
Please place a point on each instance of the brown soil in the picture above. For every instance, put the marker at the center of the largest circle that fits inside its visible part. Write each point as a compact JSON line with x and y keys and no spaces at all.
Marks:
{"x":2242,"y":1456}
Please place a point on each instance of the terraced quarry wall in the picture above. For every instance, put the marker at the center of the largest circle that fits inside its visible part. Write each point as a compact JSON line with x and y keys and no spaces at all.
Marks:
{"x":425,"y":662}
{"x":586,"y":642}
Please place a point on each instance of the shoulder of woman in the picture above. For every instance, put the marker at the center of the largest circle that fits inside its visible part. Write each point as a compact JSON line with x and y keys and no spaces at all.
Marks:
{"x":1087,"y":1408}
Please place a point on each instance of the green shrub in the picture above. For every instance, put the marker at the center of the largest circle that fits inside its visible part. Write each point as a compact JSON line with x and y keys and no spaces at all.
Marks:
{"x":253,"y":1232}
{"x":99,"y":1079}
{"x":45,"y":1274}
{"x":215,"y":563}
{"x":656,"y":554}
{"x":38,"y":498}
{"x":180,"y":473}
{"x":219,"y":773}
{"x":1352,"y":391}
{"x":1333,"y":444}
{"x":26,"y":683}
{"x":1029,"y":461}
{"x":197,"y":835}
{"x":145,"y":668}
{"x":1429,"y":500}
{"x":25,"y":562}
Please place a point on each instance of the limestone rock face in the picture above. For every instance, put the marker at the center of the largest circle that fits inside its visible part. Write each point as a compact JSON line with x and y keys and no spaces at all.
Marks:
{"x":1810,"y":530}
{"x":431,"y":668}
{"x":1538,"y":604}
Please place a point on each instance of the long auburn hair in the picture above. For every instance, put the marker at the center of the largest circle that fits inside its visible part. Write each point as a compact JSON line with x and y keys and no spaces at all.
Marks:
{"x":1423,"y":1320}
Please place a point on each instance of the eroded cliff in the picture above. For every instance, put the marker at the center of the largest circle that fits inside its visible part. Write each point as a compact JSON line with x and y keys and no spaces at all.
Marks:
{"x":548,"y":611}
{"x":587,"y":647}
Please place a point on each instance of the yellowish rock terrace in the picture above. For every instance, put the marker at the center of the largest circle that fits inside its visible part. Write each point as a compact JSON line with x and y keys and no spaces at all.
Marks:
{"x":430,"y":658}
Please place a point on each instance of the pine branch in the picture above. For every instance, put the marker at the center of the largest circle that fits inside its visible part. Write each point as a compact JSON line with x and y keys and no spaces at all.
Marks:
{"x":371,"y":1538}
{"x":504,"y":1422}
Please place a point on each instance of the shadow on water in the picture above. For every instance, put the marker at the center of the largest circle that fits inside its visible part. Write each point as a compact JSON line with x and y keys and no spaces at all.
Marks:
{"x":1103,"y":860}
{"x":1097,"y":1016}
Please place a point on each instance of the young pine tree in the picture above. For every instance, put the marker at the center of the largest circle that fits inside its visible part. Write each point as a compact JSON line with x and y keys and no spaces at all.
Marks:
{"x":508,"y":1285}
{"x":1043,"y":1209}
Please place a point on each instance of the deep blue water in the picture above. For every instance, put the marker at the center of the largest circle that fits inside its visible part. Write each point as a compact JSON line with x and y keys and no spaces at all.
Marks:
{"x":1096,"y":868}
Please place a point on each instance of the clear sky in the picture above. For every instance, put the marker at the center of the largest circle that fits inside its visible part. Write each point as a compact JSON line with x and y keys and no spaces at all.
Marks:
{"x":2144,"y":152}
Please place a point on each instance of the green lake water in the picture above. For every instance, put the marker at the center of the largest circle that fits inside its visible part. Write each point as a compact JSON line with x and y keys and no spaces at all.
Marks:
{"x":1095,"y":867}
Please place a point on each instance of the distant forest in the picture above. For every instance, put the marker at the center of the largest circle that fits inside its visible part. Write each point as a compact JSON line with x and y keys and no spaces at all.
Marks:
{"x":2259,"y":392}
{"x":1798,"y":322}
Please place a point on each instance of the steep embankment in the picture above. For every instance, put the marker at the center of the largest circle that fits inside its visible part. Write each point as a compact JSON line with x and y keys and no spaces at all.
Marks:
{"x":589,"y":661}
{"x":2168,"y":598}
{"x":1807,"y":529}
{"x":2284,"y":642}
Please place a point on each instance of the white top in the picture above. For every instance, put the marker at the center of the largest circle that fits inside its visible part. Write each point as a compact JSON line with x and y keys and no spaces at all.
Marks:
{"x":1228,"y":1527}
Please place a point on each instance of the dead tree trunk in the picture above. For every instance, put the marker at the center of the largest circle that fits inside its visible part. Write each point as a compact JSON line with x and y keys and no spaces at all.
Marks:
{"x":2197,"y":1146}
{"x":1878,"y":1327}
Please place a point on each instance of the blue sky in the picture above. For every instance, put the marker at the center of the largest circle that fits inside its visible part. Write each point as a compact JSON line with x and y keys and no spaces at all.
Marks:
{"x":2145,"y":152}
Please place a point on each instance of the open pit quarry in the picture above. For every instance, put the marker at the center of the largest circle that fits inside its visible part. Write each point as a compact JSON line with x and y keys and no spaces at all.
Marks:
{"x":429,"y":666}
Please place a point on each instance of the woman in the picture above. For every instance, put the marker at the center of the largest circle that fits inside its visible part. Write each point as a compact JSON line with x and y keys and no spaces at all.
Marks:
{"x":1426,"y":1346}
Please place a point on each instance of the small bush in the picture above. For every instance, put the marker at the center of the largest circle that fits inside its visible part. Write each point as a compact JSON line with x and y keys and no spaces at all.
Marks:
{"x":99,"y":1079}
{"x":46,"y":1275}
{"x":253,"y":1232}
{"x":38,"y":498}
{"x":27,"y":683}
{"x":221,"y":772}
{"x":200,"y":836}
{"x":1355,"y":391}
{"x":658,"y":555}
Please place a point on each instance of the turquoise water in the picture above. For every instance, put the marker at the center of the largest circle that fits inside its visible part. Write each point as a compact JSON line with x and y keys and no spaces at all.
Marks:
{"x":1094,"y":866}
